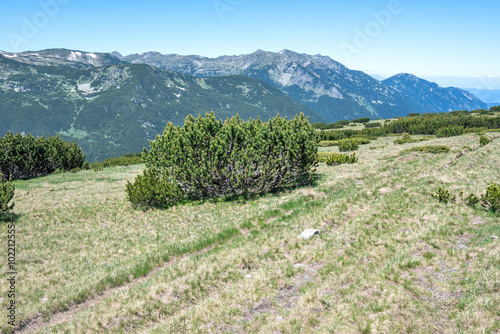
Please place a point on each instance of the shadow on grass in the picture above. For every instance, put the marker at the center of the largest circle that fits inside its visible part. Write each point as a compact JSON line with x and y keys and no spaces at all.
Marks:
{"x":239,"y":199}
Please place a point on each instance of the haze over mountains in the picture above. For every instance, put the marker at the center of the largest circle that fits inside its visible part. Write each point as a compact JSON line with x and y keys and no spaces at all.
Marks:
{"x":113,"y":105}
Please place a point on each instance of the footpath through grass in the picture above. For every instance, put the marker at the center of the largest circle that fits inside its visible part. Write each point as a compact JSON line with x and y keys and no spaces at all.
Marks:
{"x":389,"y":258}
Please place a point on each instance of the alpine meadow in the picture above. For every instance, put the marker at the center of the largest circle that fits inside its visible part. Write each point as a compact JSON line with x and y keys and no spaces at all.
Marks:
{"x":273,"y":167}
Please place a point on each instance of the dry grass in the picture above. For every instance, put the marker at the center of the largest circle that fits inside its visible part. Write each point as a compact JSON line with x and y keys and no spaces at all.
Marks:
{"x":389,"y":259}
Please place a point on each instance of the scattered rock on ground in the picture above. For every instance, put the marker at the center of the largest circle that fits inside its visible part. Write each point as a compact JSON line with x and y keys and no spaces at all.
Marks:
{"x":308,"y":233}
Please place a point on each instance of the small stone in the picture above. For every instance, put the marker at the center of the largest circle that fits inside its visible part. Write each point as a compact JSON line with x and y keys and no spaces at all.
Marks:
{"x":308,"y":233}
{"x":299,"y":265}
{"x":494,"y":236}
{"x":247,"y":276}
{"x":279,"y":318}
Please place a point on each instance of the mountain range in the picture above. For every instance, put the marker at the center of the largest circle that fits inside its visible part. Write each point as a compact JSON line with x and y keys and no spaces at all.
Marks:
{"x":112,"y":104}
{"x":324,"y":85}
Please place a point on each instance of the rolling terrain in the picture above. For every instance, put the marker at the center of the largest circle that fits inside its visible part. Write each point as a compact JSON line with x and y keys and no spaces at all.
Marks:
{"x":116,"y":109}
{"x":328,"y":87}
{"x":389,"y":257}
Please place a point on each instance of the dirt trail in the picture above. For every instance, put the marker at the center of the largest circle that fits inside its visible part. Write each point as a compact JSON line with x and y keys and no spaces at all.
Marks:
{"x":34,"y":324}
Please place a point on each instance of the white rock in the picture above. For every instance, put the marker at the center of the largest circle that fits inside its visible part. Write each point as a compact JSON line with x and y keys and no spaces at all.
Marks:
{"x":308,"y":233}
{"x":248,"y":276}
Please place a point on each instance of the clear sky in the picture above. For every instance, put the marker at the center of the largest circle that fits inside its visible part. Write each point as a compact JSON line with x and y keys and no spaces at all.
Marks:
{"x":429,"y":38}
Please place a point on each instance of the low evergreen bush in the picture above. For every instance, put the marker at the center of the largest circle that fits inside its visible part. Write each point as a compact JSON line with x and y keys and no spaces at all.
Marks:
{"x":373,"y":125}
{"x":346,"y":145}
{"x":443,"y":195}
{"x":450,"y":131}
{"x":483,"y":141}
{"x":337,"y":159}
{"x":491,"y":200}
{"x":361,"y":120}
{"x":126,"y":160}
{"x":6,"y":194}
{"x":428,"y":149}
{"x":96,"y":166}
{"x":472,"y":200}
{"x":26,"y":156}
{"x":150,"y":189}
{"x":328,"y":143}
{"x":208,"y":158}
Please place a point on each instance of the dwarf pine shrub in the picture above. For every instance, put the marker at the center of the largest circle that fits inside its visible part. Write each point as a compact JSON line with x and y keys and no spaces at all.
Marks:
{"x":491,"y":200}
{"x":6,"y":194}
{"x":337,"y":159}
{"x":471,"y":200}
{"x":328,"y":143}
{"x":346,"y":145}
{"x":26,"y":156}
{"x":150,"y":189}
{"x":450,"y":131}
{"x":126,"y":160}
{"x":208,"y":158}
{"x":483,"y":141}
{"x":443,"y":195}
{"x":435,"y":149}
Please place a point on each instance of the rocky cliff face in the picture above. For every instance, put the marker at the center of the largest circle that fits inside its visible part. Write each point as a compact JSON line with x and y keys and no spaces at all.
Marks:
{"x":431,"y":97}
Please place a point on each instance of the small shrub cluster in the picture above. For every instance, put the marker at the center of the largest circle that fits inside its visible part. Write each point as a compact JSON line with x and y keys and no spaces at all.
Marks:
{"x":328,"y":143}
{"x":96,"y":166}
{"x":338,"y":159}
{"x":208,"y":158}
{"x":361,"y":120}
{"x":443,"y":195}
{"x":126,"y":160}
{"x":428,"y":149}
{"x":483,"y":141}
{"x":372,"y":125}
{"x":363,"y":140}
{"x":471,"y":200}
{"x":6,"y":194}
{"x":26,"y":156}
{"x":450,"y":131}
{"x":346,"y":145}
{"x":406,"y":139}
{"x":491,"y":200}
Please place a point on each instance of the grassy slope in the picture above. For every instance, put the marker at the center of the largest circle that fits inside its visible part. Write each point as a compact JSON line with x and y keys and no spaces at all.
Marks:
{"x":389,"y":257}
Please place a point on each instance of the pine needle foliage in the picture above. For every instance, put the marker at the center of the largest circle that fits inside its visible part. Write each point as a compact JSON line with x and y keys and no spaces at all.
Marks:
{"x":27,"y":156}
{"x":346,"y":145}
{"x":483,"y":140}
{"x":491,"y":200}
{"x":339,"y":158}
{"x":6,"y":194}
{"x":208,"y":158}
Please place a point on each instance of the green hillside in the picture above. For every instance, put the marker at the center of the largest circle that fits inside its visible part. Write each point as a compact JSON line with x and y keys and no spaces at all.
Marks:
{"x":389,"y":258}
{"x":116,"y":109}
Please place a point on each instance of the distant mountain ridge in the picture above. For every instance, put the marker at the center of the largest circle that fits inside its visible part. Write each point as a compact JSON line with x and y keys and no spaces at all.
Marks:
{"x":321,"y":83}
{"x":113,"y":104}
{"x":115,"y":109}
{"x":490,"y":96}
{"x":63,"y":57}
{"x":430,"y":96}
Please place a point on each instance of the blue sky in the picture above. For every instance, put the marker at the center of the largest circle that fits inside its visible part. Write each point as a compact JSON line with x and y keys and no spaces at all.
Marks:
{"x":446,"y":41}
